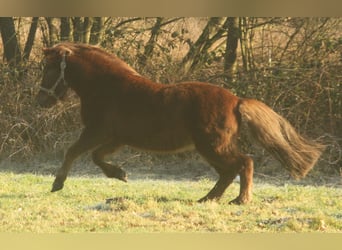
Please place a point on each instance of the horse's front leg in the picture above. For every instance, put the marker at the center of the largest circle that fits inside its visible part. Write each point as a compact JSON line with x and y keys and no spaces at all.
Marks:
{"x":87,"y":141}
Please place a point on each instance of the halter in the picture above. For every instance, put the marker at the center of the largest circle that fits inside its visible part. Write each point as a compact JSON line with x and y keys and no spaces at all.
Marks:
{"x":51,"y":91}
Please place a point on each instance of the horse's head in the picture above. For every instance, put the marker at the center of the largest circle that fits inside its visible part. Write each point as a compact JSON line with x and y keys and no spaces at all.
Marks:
{"x":53,"y":86}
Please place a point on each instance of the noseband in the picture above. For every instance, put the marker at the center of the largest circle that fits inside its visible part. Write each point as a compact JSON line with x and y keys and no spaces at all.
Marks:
{"x":51,"y":91}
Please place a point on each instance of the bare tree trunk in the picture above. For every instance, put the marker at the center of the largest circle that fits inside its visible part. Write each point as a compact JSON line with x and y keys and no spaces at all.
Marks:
{"x":78,"y":27}
{"x":233,"y":35}
{"x":10,"y":42}
{"x":53,"y":31}
{"x":87,"y":24}
{"x":246,"y":38}
{"x":66,"y":29}
{"x":30,"y":38}
{"x":151,"y":42}
{"x":97,"y":30}
{"x":82,"y":29}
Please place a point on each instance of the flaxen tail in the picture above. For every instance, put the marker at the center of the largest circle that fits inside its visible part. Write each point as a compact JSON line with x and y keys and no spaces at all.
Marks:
{"x":278,"y":137}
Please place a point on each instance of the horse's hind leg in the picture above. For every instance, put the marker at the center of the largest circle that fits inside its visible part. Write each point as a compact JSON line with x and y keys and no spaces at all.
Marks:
{"x":246,"y":182}
{"x":219,"y":150}
{"x":221,"y":185}
{"x":109,"y":170}
{"x":227,"y":167}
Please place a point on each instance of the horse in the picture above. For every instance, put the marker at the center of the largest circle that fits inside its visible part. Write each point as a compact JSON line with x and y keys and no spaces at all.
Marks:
{"x":120,"y":107}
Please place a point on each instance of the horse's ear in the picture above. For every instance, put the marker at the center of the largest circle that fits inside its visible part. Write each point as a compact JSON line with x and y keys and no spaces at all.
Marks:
{"x":65,"y":51}
{"x":54,"y":51}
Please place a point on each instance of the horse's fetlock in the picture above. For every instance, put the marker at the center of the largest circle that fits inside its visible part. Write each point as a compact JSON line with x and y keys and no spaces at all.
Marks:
{"x":117,"y":173}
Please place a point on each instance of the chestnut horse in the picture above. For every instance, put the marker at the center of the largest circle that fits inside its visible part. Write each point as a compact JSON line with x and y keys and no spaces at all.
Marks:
{"x":121,"y":107}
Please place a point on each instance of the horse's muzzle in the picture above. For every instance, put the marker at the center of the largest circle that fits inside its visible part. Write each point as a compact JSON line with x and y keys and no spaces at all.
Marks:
{"x":44,"y":100}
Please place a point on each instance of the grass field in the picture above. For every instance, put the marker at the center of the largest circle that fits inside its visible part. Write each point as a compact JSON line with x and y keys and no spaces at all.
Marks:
{"x":91,"y":204}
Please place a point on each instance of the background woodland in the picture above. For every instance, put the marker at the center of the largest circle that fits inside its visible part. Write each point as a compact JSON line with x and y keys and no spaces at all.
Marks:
{"x":292,"y":64}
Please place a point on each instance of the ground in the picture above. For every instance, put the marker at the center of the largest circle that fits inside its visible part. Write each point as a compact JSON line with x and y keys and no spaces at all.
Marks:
{"x":184,"y":166}
{"x":161,"y":197}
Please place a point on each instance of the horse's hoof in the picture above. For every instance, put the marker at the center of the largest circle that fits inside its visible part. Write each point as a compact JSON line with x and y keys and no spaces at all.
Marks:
{"x":56,"y":186}
{"x":238,"y":201}
{"x":116,"y":173}
{"x":123,"y":176}
{"x":202,"y":200}
{"x":209,"y":198}
{"x":120,"y":175}
{"x":235,"y":202}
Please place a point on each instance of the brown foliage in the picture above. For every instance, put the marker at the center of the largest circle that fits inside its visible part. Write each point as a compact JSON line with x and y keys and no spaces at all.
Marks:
{"x":295,"y":67}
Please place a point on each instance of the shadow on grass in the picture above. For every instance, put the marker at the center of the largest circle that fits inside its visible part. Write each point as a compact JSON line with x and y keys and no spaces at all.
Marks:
{"x":122,"y":203}
{"x":168,"y":168}
{"x":12,"y":196}
{"x":160,"y":199}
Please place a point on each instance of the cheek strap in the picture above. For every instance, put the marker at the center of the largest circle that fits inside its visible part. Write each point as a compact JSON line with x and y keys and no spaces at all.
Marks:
{"x":51,"y":91}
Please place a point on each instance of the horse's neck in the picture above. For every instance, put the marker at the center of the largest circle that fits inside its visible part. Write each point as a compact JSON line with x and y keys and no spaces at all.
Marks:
{"x":89,"y":79}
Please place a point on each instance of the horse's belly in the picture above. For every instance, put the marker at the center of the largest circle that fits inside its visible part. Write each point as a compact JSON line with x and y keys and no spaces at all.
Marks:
{"x":165,"y":149}
{"x":162,"y":130}
{"x":163,"y":142}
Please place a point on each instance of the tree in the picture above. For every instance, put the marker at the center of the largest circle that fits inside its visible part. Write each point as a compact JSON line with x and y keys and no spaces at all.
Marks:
{"x":87,"y":25}
{"x":233,"y":35}
{"x":97,"y":30}
{"x":53,"y":31}
{"x":148,"y":51}
{"x":66,"y":29}
{"x":247,"y":27}
{"x":73,"y":29}
{"x":82,"y":28}
{"x":10,"y":41}
{"x":30,"y":38}
{"x":198,"y":51}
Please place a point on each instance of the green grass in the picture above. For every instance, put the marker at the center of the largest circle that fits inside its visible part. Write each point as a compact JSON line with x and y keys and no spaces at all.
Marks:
{"x":26,"y":205}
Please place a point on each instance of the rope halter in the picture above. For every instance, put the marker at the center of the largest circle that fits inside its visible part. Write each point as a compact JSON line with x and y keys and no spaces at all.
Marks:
{"x":51,"y":91}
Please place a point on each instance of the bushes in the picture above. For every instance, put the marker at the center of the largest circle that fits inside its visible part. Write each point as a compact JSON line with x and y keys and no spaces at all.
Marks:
{"x":27,"y":129}
{"x":294,"y":65}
